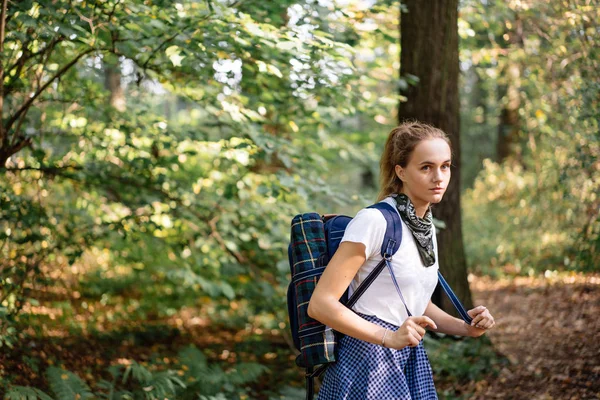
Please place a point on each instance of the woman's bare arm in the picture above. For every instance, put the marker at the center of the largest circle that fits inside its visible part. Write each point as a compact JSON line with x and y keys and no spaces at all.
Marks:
{"x":450,"y":325}
{"x":325,"y":306}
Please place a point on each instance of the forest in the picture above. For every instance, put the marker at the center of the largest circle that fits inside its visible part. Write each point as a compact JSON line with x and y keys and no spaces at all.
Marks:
{"x":153,"y":154}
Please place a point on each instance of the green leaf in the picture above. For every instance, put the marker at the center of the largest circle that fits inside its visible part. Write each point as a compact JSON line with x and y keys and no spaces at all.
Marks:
{"x":174,"y":54}
{"x":66,"y":385}
{"x":25,"y":393}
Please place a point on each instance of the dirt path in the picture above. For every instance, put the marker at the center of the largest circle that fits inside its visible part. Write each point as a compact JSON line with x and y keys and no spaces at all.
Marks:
{"x":549,"y":329}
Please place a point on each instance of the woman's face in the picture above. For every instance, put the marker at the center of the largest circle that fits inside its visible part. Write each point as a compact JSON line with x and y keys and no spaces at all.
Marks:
{"x":426,"y":177}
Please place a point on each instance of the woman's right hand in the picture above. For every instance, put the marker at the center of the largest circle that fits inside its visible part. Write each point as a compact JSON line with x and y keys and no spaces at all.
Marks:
{"x":410,"y":333}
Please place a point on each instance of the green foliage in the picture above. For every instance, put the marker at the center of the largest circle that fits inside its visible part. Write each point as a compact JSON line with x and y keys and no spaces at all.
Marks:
{"x":189,"y":204}
{"x":236,"y":116}
{"x":156,"y":385}
{"x":211,"y":380}
{"x":26,"y":393}
{"x":66,"y":385}
{"x":8,"y":332}
{"x":539,"y":209}
{"x":462,"y":360}
{"x":522,"y":218}
{"x":190,"y":377}
{"x":290,"y":393}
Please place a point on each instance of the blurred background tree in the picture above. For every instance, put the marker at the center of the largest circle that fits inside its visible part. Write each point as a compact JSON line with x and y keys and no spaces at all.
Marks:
{"x":534,"y":205}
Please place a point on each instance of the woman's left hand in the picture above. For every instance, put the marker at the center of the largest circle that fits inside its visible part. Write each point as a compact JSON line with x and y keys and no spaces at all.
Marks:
{"x":482,"y":320}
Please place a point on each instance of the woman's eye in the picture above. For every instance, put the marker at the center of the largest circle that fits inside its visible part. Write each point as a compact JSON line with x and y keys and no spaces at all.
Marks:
{"x":425,"y":168}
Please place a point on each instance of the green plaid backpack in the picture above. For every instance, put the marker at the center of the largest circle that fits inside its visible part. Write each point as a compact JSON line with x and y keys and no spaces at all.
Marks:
{"x":314,"y":239}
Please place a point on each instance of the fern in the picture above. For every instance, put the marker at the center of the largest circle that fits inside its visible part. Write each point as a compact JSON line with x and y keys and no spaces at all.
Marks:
{"x":203,"y":381}
{"x":26,"y":393}
{"x":219,"y":396}
{"x":210,"y":380}
{"x":157,"y":385}
{"x":290,"y":393}
{"x":162,"y":385}
{"x":194,"y":360}
{"x":138,"y":373}
{"x":66,"y":385}
{"x":245,"y":372}
{"x":200,"y":377}
{"x":110,"y":391}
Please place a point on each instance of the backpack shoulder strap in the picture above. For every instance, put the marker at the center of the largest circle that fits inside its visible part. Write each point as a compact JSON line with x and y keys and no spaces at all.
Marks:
{"x":454,"y":299}
{"x":393,"y":231}
{"x":391,"y":243}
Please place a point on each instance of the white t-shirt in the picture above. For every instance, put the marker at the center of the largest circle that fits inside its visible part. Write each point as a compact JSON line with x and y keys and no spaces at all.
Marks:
{"x":416,"y":281}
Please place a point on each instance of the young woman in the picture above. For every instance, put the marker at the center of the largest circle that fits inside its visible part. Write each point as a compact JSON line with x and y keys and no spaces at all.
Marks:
{"x":381,"y":355}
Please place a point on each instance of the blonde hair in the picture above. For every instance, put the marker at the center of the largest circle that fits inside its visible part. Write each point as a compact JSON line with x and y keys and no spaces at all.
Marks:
{"x":399,"y":146}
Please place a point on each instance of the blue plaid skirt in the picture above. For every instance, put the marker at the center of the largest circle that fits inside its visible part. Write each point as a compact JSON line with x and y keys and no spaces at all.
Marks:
{"x":369,"y":371}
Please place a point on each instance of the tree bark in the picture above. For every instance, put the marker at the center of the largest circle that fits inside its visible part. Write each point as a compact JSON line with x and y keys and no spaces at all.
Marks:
{"x":3,"y":138}
{"x":508,"y":125}
{"x":112,"y":82}
{"x":509,"y":97}
{"x":429,"y":50}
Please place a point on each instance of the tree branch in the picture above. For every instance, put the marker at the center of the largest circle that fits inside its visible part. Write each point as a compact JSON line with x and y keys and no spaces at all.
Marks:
{"x":112,"y":12}
{"x":6,"y":152}
{"x":58,"y":74}
{"x":18,"y":128}
{"x":47,"y":170}
{"x":29,"y":55}
{"x":158,"y":48}
{"x":2,"y":31}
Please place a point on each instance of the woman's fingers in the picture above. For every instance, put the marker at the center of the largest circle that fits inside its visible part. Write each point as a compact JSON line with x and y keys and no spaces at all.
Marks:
{"x":477,"y":319}
{"x":485,"y":324}
{"x":483,"y":320}
{"x":488,"y":324}
{"x":481,"y":316}
{"x":414,"y":338}
{"x":413,"y":331}
{"x":419,"y":330}
{"x":476,"y":311}
{"x":424,"y":321}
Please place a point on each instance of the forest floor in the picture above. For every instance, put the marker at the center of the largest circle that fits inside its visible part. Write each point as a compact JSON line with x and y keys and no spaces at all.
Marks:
{"x":549,"y":330}
{"x":547,"y":337}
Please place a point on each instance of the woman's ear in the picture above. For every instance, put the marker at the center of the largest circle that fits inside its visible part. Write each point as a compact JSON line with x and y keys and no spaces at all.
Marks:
{"x":399,"y":172}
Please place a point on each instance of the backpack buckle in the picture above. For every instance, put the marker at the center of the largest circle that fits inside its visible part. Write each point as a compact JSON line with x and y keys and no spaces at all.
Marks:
{"x":389,"y":252}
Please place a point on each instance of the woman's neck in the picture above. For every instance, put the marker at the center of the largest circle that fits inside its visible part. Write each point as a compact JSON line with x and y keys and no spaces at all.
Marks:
{"x":421,"y":210}
{"x":420,"y":207}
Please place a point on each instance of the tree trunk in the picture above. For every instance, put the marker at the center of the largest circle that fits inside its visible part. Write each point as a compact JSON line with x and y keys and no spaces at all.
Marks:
{"x":112,"y":82}
{"x":429,"y":50}
{"x":508,"y":125}
{"x":509,"y":97}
